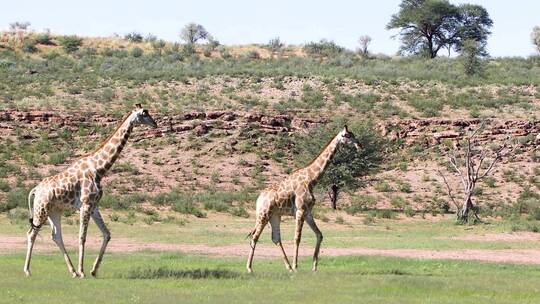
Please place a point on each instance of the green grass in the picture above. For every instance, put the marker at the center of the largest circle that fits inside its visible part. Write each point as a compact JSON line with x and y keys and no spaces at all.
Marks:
{"x":169,"y":278}
{"x":227,"y":229}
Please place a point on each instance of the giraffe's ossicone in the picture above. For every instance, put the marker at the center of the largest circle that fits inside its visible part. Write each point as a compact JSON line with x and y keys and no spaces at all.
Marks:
{"x":294,"y":196}
{"x":79,"y":186}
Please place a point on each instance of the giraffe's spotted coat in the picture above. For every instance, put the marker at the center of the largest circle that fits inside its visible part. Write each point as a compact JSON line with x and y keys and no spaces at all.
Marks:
{"x":79,"y":186}
{"x":294,"y":196}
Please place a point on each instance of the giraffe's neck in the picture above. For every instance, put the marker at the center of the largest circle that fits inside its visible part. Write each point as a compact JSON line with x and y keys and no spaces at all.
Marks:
{"x":106,"y":155}
{"x":320,"y":163}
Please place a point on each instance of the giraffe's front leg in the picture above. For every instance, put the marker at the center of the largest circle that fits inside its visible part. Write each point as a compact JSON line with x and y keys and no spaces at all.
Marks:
{"x":84,"y":219}
{"x":298,"y":235}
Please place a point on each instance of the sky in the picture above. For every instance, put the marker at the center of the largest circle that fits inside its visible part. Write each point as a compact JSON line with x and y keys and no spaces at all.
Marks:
{"x":252,"y":21}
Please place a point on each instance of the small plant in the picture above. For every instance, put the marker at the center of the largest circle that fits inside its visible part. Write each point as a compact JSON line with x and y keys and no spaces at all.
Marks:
{"x":114,"y":217}
{"x":369,"y":219}
{"x":383,"y":186}
{"x":490,"y":181}
{"x":404,"y":187}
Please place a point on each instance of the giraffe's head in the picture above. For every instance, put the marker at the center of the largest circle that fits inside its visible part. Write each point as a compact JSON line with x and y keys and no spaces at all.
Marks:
{"x":142,"y":117}
{"x":347,"y":137}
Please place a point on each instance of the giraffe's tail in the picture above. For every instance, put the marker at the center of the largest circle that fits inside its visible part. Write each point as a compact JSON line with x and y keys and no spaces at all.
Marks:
{"x":250,"y":234}
{"x":31,"y":196}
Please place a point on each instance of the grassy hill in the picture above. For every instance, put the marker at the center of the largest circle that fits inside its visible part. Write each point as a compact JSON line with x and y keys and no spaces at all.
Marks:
{"x":230,"y":117}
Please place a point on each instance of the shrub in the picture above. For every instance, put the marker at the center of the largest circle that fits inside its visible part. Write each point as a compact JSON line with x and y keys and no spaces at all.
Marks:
{"x":323,"y":48}
{"x":471,"y":56}
{"x":239,"y":211}
{"x":29,"y":47}
{"x":4,"y":185}
{"x":275,"y":44}
{"x":383,"y":186}
{"x":137,"y":52}
{"x":44,"y":39}
{"x":18,"y":214}
{"x":252,"y":55}
{"x":133,"y":37}
{"x":17,"y":197}
{"x":409,"y":211}
{"x":386,"y":214}
{"x":398,"y":202}
{"x":70,"y":44}
{"x":360,"y":203}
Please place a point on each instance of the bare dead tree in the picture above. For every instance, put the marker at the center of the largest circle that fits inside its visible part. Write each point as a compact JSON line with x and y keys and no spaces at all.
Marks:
{"x":470,"y":166}
{"x":364,"y":42}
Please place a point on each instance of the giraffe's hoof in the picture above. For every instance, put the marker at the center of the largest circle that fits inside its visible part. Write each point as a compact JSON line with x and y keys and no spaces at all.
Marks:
{"x":74,"y":274}
{"x":27,"y":273}
{"x":290,"y":270}
{"x":82,"y":275}
{"x":94,"y":273}
{"x":249,"y":270}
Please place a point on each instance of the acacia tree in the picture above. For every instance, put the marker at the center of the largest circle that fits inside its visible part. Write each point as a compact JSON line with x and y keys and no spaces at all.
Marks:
{"x":535,"y":38}
{"x":474,"y":25}
{"x":427,"y":26}
{"x":472,"y":165}
{"x":348,"y":164}
{"x":192,"y":32}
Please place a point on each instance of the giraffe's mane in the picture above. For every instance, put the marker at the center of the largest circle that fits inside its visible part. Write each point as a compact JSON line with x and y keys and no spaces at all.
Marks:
{"x":319,"y":154}
{"x":104,"y":142}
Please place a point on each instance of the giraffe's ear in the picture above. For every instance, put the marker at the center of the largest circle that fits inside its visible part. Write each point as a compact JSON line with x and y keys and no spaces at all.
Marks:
{"x":138,"y":106}
{"x":346,"y":128}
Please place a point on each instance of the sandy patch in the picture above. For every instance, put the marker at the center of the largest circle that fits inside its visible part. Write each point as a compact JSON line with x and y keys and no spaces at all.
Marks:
{"x":10,"y":244}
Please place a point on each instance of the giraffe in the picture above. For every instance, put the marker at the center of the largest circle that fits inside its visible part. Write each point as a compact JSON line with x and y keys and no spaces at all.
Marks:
{"x":294,"y":197}
{"x":79,"y":187}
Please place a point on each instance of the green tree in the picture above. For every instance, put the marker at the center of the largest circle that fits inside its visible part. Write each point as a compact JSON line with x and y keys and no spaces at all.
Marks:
{"x":427,"y":26}
{"x":348,"y":164}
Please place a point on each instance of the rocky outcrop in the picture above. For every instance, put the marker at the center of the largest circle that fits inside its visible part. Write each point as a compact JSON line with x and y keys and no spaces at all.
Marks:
{"x":427,"y":132}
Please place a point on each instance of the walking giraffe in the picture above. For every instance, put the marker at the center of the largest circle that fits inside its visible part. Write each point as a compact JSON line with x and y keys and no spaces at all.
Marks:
{"x":79,"y":186}
{"x":294,"y":196}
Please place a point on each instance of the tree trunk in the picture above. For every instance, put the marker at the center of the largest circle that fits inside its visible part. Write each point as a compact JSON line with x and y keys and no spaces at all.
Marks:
{"x":334,"y":196}
{"x":468,"y":209}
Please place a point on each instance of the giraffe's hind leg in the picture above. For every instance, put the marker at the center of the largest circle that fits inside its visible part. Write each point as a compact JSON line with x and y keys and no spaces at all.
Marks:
{"x":311,"y":222}
{"x":259,"y":226}
{"x":56,"y":226}
{"x":275,"y":221}
{"x":96,"y":215}
{"x":35,"y":225}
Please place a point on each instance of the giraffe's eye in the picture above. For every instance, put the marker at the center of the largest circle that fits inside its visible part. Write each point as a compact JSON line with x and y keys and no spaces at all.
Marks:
{"x":347,"y":135}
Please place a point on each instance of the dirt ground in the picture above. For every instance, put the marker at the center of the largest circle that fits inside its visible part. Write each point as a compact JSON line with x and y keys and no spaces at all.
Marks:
{"x":10,"y":244}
